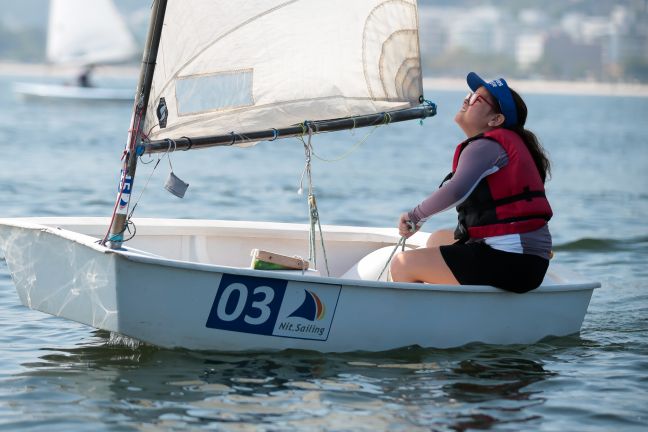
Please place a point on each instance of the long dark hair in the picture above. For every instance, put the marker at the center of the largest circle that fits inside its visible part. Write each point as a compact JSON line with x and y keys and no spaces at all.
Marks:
{"x":535,"y":148}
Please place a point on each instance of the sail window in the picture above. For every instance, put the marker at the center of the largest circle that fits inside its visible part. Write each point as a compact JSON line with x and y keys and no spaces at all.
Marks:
{"x":224,"y":90}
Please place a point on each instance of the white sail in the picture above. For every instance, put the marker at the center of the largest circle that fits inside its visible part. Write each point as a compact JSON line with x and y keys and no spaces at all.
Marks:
{"x":262,"y":64}
{"x":84,"y":32}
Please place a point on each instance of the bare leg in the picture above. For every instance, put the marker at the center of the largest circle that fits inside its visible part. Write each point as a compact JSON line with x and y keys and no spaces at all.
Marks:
{"x":440,"y":238}
{"x":421,"y":265}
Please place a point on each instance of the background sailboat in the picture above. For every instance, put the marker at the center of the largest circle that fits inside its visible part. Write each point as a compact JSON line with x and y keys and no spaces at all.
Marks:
{"x":83,"y":34}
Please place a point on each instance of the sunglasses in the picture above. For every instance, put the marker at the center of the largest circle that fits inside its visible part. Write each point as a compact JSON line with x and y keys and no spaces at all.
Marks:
{"x":472,"y":98}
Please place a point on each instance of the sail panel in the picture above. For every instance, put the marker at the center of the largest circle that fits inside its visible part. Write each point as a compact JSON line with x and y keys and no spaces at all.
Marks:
{"x":274,"y":63}
{"x":205,"y":93}
{"x":83,"y":32}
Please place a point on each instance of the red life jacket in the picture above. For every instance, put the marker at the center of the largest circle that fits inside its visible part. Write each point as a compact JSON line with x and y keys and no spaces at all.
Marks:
{"x":509,"y":201}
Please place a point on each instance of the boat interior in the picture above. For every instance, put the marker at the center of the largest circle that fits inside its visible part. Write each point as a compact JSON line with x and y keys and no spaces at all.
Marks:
{"x":349,"y":252}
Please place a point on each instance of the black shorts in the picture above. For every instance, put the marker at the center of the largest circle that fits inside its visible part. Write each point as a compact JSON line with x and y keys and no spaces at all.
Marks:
{"x":480,"y":264}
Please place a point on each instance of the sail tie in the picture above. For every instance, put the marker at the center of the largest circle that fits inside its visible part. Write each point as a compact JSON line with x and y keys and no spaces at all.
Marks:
{"x":189,"y":141}
{"x":275,"y":134}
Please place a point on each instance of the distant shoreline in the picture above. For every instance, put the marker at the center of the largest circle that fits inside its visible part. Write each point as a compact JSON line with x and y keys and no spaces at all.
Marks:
{"x":429,"y":83}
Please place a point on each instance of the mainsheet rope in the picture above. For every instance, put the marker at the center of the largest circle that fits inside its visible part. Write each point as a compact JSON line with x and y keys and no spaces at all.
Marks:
{"x":401,"y":244}
{"x":313,"y":213}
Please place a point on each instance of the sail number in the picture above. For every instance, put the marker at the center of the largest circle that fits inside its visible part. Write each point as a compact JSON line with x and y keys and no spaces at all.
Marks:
{"x":240,"y":290}
{"x":247,"y":304}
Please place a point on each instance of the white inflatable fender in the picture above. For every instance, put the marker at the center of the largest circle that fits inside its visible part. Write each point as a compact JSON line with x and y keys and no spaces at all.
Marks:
{"x":370,"y":266}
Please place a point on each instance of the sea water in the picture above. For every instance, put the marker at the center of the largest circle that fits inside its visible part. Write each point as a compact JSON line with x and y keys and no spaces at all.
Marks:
{"x":62,"y":159}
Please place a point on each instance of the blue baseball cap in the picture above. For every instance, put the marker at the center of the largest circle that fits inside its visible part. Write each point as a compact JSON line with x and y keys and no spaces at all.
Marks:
{"x":501,"y":92}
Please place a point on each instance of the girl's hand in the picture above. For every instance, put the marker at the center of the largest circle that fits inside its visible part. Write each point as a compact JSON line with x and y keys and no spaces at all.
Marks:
{"x":405,"y":227}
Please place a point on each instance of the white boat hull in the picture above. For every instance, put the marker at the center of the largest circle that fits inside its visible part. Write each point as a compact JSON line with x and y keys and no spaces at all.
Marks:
{"x":73,"y":93}
{"x":192,"y":290}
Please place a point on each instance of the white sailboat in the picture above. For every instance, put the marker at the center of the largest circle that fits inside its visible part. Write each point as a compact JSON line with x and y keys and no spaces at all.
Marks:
{"x":81,"y":34}
{"x":259,"y":70}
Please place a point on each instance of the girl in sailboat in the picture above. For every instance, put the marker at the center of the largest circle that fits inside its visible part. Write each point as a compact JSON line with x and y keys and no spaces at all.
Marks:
{"x":497,"y":185}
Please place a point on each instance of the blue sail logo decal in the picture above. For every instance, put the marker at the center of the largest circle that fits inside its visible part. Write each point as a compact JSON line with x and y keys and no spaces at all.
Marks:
{"x":311,"y":308}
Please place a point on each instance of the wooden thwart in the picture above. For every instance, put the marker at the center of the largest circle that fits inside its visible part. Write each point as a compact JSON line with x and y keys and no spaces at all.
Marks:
{"x":264,"y":260}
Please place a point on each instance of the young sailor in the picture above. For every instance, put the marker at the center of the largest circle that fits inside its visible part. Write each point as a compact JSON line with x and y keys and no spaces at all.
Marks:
{"x":497,"y":185}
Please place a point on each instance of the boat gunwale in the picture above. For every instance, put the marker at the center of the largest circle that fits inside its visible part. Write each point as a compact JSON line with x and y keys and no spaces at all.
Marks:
{"x":135,"y":255}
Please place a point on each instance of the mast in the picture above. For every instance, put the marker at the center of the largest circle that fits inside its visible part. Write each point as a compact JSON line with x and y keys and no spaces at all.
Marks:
{"x":119,"y":221}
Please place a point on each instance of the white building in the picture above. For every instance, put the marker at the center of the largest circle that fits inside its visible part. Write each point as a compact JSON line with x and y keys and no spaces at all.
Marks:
{"x":529,"y":49}
{"x":485,"y":30}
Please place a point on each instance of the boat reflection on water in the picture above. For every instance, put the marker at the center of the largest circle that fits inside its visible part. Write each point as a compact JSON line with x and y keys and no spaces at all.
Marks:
{"x":505,"y":382}
{"x":127,"y":384}
{"x":499,"y":378}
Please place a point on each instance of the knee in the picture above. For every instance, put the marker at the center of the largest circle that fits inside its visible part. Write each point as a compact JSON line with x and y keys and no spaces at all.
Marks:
{"x":398,"y":266}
